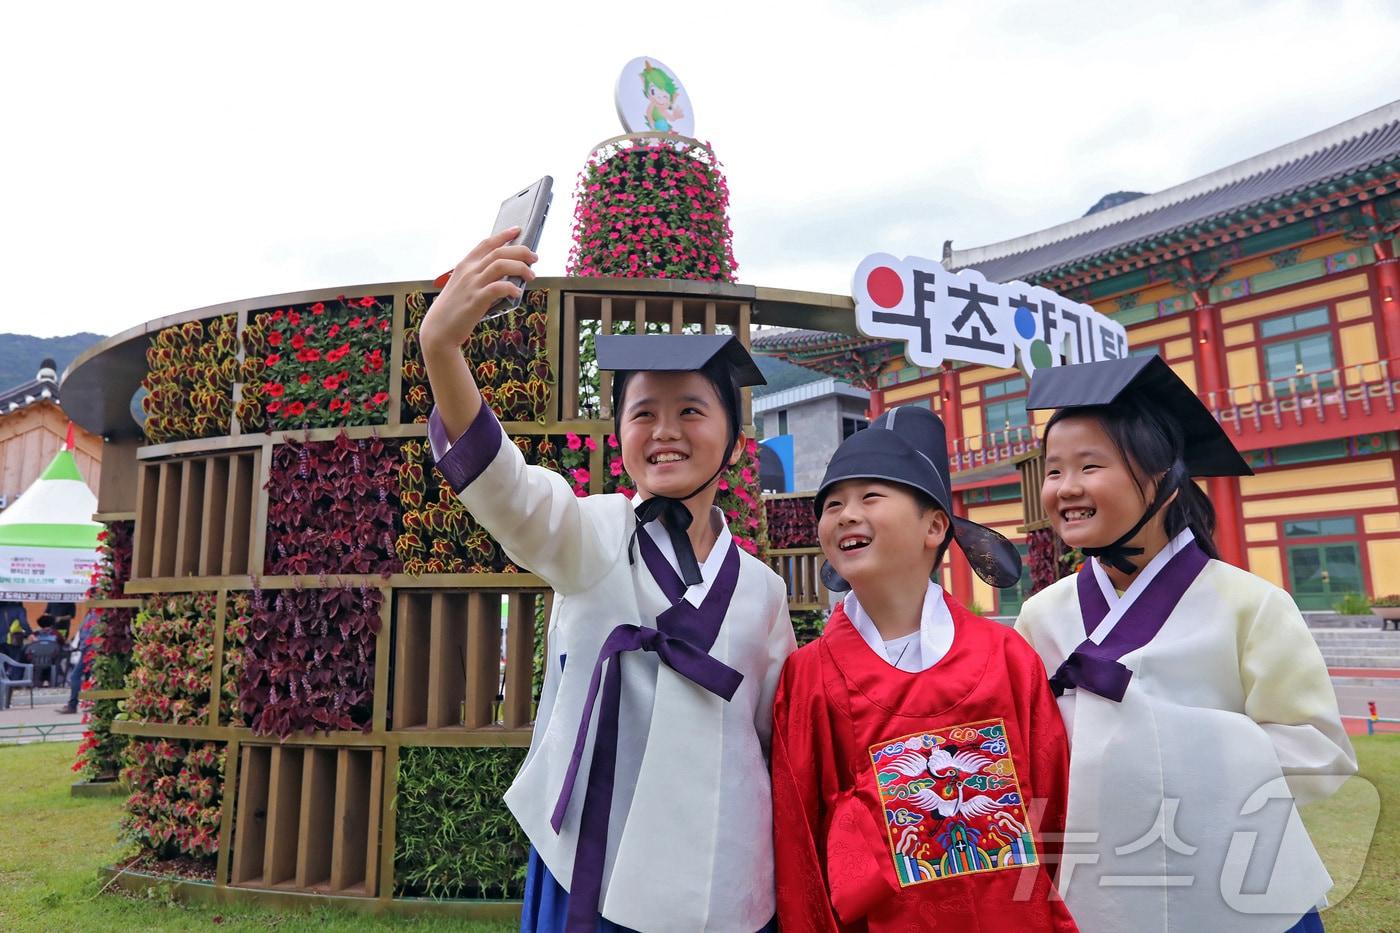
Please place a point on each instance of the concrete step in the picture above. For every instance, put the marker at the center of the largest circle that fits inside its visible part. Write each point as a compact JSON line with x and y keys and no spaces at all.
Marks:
{"x":1331,"y":620}
{"x":1391,"y":661}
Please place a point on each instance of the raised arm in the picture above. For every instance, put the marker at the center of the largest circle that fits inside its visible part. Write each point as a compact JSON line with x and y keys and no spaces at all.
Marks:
{"x":531,"y":511}
{"x":478,"y":282}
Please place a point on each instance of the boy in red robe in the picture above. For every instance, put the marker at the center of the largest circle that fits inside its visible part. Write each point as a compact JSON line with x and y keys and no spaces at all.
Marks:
{"x":919,"y":761}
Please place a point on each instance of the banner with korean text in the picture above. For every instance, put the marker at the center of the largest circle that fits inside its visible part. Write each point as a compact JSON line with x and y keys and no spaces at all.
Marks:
{"x":961,"y":316}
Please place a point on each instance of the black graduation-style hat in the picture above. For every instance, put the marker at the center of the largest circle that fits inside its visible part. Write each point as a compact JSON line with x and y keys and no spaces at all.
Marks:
{"x":908,"y":445}
{"x":728,"y":362}
{"x":1150,"y":383}
{"x":679,"y":353}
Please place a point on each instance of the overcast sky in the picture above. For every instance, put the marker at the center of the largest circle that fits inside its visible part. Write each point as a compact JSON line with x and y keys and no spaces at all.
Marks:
{"x":162,"y":157}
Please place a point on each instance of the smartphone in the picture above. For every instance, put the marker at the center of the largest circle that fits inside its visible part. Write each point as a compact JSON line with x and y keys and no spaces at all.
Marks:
{"x":526,"y":209}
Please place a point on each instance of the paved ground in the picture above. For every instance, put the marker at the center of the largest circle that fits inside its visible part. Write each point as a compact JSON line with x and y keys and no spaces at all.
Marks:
{"x":45,"y":714}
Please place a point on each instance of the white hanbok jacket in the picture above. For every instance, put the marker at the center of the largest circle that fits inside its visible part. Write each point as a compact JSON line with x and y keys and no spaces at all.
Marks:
{"x":1181,"y":797}
{"x":690,"y":838}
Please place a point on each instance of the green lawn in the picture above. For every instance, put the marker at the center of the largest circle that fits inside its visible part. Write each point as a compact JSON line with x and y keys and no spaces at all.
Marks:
{"x":53,"y":844}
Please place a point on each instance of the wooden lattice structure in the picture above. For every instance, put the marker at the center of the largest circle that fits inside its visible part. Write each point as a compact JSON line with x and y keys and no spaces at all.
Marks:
{"x":315,"y":813}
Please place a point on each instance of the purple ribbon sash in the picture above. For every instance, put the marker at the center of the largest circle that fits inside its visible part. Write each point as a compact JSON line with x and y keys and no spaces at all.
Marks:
{"x":681,"y":640}
{"x":1098,"y":668}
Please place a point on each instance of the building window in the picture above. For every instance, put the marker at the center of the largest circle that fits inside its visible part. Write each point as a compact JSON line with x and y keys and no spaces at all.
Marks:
{"x":1011,"y":492}
{"x":1291,"y":364}
{"x":850,"y":426}
{"x":1007,"y":387}
{"x":1003,"y":415}
{"x":1148,"y":349}
{"x":1292,"y":323}
{"x":1320,"y":528}
{"x":782,"y":422}
{"x":1005,"y":412}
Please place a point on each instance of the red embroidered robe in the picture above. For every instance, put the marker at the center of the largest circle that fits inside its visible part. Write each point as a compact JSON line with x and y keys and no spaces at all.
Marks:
{"x":918,"y":801}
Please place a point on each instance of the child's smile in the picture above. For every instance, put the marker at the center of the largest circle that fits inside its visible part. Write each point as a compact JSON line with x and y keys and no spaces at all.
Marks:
{"x":674,"y":432}
{"x":1090,"y":493}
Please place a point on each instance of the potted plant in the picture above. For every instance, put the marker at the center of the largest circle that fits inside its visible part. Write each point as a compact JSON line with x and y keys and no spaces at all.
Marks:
{"x":1388,"y":608}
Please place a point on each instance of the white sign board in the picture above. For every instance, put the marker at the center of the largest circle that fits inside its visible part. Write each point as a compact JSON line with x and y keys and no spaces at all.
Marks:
{"x":48,"y":573}
{"x":960,"y":316}
{"x":651,"y":99}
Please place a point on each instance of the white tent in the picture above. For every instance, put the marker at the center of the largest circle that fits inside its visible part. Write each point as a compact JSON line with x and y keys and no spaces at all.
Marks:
{"x":48,"y":540}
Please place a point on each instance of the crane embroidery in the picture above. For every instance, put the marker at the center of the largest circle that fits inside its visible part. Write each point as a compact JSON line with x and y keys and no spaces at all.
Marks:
{"x":952,"y":802}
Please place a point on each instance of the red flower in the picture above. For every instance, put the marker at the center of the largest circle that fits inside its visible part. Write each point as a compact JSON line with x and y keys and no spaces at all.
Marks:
{"x":273,"y":407}
{"x":318,"y":308}
{"x":275,"y":389}
{"x":331,"y":383}
{"x":374,"y":361}
{"x":273,"y":359}
{"x":336,"y":355}
{"x":304,"y":378}
{"x":353,"y":323}
{"x":293,"y":318}
{"x":294,"y":409}
{"x":367,"y":302}
{"x":380,"y":398}
{"x":333,"y":330}
{"x":309,"y":355}
{"x":298,"y":341}
{"x":275,"y":338}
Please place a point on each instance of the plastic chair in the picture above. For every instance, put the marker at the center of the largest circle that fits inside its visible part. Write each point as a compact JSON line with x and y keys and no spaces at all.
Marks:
{"x":46,"y":655}
{"x":8,"y":683}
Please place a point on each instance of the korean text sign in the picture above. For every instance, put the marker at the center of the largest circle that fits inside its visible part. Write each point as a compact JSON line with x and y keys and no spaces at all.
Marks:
{"x":960,"y":316}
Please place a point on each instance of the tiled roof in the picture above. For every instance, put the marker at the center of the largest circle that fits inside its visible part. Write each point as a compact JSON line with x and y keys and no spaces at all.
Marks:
{"x":1358,"y":144}
{"x":788,"y":341}
{"x":29,"y":393}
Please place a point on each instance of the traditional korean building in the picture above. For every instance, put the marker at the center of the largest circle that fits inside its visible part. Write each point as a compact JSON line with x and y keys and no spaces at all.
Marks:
{"x":33,"y":428}
{"x":1272,"y":287}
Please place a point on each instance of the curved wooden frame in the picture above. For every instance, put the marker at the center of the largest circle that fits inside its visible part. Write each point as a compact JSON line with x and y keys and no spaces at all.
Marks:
{"x":170,"y":504}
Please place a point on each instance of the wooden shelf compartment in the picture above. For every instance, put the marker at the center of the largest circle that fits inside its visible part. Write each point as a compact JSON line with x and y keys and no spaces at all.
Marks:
{"x":194,"y":516}
{"x":308,"y":819}
{"x":665,"y":313}
{"x":448,"y":670}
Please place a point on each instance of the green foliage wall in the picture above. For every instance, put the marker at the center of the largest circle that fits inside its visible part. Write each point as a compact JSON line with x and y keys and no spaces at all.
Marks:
{"x":455,"y":838}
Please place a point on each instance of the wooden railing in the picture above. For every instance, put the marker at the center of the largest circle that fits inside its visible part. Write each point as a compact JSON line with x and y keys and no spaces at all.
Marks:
{"x":800,"y":568}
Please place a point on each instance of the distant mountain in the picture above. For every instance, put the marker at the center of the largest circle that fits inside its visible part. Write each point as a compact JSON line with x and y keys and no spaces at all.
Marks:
{"x":20,"y":355}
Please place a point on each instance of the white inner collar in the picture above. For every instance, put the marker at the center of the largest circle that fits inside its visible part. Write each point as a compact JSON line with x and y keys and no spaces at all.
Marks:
{"x":935,"y":632}
{"x":695,"y":595}
{"x":1118,"y":605}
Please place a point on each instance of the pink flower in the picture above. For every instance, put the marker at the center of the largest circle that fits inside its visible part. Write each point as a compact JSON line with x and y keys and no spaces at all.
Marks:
{"x":723,"y":484}
{"x":629,"y":493}
{"x":590,"y":443}
{"x":615,"y":468}
{"x":746,"y":475}
{"x":580,"y":476}
{"x":572,"y":441}
{"x":612,"y":441}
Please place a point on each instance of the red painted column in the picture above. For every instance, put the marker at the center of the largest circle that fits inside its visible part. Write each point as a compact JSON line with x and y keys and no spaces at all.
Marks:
{"x":949,"y":391}
{"x":1224,"y":491}
{"x":1388,"y":289}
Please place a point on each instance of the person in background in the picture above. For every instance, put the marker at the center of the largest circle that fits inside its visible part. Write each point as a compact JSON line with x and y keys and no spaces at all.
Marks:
{"x":14,"y":623}
{"x":77,"y":659}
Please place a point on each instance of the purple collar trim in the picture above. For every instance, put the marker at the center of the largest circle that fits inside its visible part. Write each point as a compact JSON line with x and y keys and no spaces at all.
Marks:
{"x":1099,"y":668}
{"x":682,"y":639}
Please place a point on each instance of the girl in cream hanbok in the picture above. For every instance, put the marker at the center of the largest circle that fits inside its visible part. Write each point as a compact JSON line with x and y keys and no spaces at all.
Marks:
{"x":645,"y":793}
{"x":1198,"y":707}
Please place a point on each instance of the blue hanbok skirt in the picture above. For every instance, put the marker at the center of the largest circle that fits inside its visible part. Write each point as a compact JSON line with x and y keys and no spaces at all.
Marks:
{"x":547,"y":904}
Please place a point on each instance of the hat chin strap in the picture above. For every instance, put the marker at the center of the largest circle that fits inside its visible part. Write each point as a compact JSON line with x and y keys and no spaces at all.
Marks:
{"x":1117,"y":554}
{"x":676,"y":519}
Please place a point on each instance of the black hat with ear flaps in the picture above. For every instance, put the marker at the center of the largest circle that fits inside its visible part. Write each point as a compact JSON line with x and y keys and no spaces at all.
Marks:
{"x":908,"y":445}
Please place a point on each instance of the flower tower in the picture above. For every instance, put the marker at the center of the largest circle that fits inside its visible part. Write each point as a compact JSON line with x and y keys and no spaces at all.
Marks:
{"x":655,"y":205}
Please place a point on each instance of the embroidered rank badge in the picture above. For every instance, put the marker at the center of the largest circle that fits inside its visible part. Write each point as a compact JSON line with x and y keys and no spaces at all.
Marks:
{"x":952,"y":803}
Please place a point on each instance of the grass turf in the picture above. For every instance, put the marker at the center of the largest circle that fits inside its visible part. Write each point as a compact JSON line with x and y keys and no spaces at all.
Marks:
{"x":53,"y":845}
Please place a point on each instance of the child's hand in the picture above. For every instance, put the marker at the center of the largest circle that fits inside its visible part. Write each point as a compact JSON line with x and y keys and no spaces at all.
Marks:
{"x":477,"y":283}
